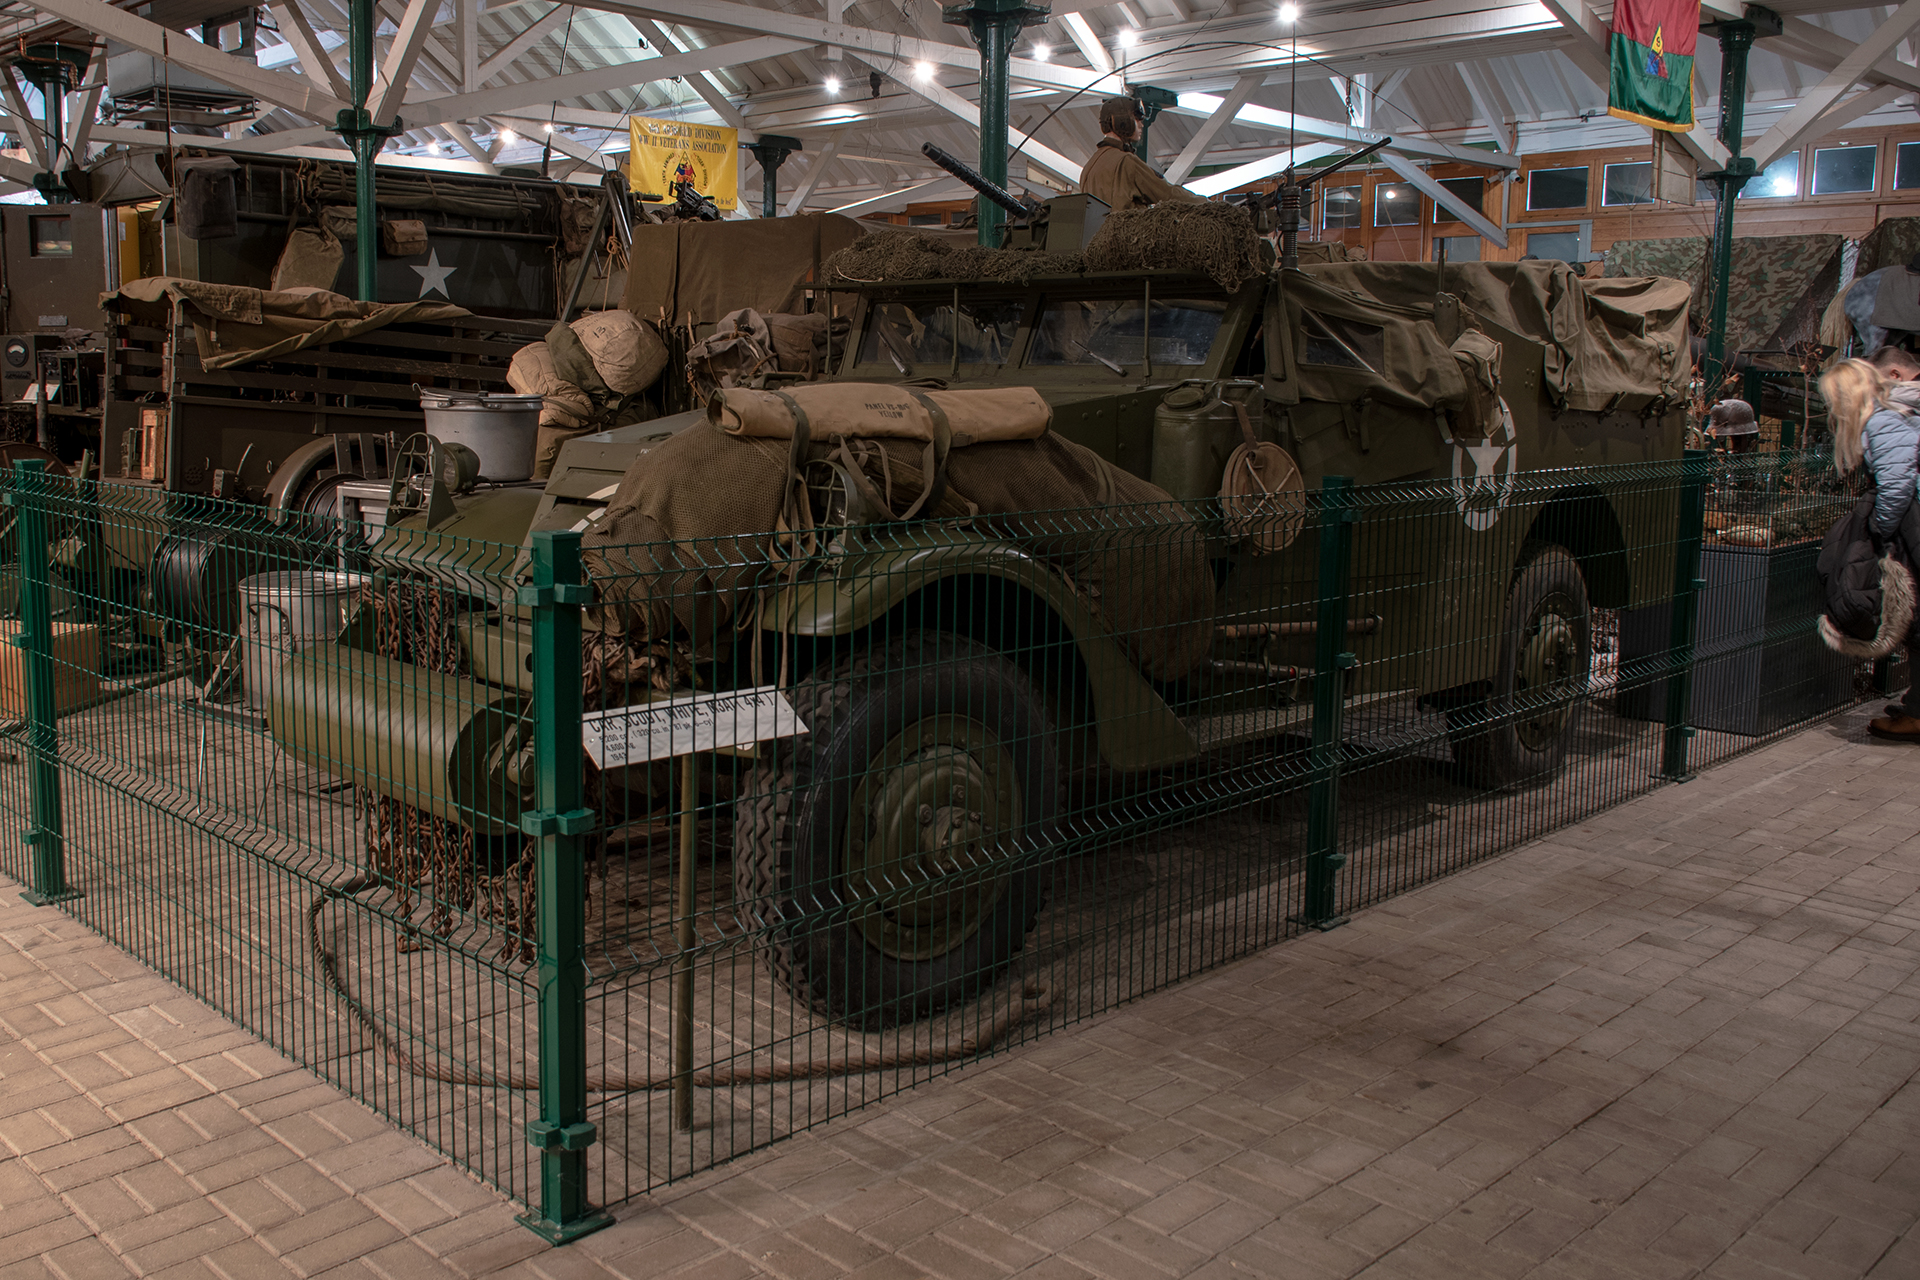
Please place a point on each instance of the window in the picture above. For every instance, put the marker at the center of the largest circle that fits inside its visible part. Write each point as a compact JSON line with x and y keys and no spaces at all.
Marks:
{"x":909,"y":334}
{"x":1345,"y":344}
{"x":1777,"y":181}
{"x":1841,"y":171}
{"x":1627,"y":183}
{"x":1906,"y":166}
{"x":1557,"y":189}
{"x":1472,"y":193}
{"x":1108,"y":332}
{"x":1458,"y":248}
{"x":52,"y":235}
{"x":1396,"y":204}
{"x":1563,"y":245}
{"x":926,"y":219}
{"x":1340,"y":209}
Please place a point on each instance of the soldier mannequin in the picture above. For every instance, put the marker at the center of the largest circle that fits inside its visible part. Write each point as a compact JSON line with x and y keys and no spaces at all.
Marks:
{"x":1115,"y":174}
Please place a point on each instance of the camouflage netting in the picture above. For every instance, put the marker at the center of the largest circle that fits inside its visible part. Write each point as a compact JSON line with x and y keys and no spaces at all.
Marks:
{"x":1210,"y":239}
{"x":908,"y":255}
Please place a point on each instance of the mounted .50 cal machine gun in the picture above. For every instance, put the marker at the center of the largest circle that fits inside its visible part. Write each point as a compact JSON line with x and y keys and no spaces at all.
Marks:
{"x":1063,"y":224}
{"x":1285,"y":205}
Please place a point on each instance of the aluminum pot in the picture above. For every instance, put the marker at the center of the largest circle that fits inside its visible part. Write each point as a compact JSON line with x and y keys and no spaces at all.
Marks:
{"x":501,"y":429}
{"x":284,"y":613}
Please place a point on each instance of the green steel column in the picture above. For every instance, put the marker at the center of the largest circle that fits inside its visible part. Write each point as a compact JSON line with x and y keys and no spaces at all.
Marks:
{"x":771,"y":150}
{"x":559,"y":820}
{"x":28,"y":495}
{"x":994,"y":24}
{"x":365,"y":138}
{"x":1331,"y":662}
{"x":1689,"y":531}
{"x":1736,"y":41}
{"x":1152,"y":102}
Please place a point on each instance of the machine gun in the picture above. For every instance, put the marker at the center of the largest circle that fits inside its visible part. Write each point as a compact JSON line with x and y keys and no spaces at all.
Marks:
{"x":1063,"y":224}
{"x":1287,"y":200}
{"x":690,"y":206}
{"x":1022,"y":209}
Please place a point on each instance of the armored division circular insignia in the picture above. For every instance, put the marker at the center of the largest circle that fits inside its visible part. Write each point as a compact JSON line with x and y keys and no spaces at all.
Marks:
{"x":1483,"y":474}
{"x":1263,"y":496}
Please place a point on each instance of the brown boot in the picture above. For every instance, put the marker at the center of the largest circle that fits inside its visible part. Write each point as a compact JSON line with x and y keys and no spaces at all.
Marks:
{"x":1895,"y":728}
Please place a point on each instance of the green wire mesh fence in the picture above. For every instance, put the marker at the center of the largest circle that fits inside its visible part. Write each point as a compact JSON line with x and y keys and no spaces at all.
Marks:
{"x":839,"y":807}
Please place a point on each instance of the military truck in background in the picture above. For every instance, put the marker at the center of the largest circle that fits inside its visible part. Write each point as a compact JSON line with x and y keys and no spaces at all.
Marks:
{"x":1464,"y":376}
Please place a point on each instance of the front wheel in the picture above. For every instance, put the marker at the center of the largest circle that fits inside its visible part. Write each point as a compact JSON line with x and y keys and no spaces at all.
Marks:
{"x":892,"y":852}
{"x":1520,"y":731}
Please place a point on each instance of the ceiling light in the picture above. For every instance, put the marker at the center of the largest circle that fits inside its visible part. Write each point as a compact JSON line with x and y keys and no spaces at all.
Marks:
{"x":1289,"y":12}
{"x":508,"y":137}
{"x":548,"y":127}
{"x":923,"y":71}
{"x":833,"y":84}
{"x":433,"y":148}
{"x":1041,"y":53}
{"x":1127,"y":36}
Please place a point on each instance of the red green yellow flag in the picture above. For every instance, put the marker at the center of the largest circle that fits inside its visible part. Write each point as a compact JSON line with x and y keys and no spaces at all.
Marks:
{"x":1652,"y":56}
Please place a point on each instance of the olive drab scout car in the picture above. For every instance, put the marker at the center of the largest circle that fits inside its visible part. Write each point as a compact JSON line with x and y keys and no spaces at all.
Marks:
{"x":945,"y":669}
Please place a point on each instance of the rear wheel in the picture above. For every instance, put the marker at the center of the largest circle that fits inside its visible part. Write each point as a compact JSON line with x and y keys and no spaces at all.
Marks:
{"x":892,"y":851}
{"x":1520,"y":731}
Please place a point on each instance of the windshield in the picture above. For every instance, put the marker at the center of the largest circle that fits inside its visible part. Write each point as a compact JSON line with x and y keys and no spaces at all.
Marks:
{"x":1109,"y":331}
{"x":910,"y":334}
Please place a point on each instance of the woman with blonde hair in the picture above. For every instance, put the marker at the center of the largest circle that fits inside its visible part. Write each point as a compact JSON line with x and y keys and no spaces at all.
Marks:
{"x":1875,"y":422}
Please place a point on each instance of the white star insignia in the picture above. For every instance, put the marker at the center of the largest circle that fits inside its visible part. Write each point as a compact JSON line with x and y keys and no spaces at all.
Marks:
{"x":433,"y":276}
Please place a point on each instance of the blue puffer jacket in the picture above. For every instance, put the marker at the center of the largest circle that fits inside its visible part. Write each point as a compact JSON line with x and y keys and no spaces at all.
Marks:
{"x":1889,"y":443}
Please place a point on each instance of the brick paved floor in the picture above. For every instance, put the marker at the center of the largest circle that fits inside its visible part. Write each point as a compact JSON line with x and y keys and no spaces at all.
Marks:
{"x":1676,"y":1040}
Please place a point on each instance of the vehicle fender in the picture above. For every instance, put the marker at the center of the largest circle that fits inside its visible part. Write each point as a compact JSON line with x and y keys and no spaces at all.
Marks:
{"x":1134,"y":726}
{"x":293,"y":472}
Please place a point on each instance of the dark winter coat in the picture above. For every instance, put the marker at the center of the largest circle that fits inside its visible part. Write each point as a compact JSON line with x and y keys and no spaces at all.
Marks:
{"x":1868,"y":582}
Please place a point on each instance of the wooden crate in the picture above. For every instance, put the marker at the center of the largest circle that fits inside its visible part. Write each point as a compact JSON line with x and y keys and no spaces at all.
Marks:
{"x":76,"y":668}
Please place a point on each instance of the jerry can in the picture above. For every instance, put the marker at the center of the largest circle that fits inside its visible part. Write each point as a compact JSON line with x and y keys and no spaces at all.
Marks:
{"x":1195,"y":428}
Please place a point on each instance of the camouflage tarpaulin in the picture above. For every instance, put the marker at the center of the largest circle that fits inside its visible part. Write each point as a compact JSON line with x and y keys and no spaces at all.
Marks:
{"x":1783,"y":282}
{"x":1893,"y":243}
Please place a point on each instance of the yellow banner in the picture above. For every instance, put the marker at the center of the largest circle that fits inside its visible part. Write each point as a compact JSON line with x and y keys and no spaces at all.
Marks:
{"x":670,"y":151}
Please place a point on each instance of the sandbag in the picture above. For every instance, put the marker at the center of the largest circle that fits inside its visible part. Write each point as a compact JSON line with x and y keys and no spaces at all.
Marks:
{"x":876,"y":411}
{"x":532,"y":373}
{"x":311,"y":259}
{"x":403,"y":237}
{"x":627,"y":353}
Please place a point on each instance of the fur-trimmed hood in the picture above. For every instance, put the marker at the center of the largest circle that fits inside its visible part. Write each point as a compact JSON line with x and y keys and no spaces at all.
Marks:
{"x":1896,"y":616}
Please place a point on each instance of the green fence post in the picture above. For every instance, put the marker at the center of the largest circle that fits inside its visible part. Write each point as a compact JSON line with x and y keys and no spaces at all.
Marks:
{"x":559,"y":820}
{"x":1331,"y":662}
{"x":1688,"y":532}
{"x":45,"y":832}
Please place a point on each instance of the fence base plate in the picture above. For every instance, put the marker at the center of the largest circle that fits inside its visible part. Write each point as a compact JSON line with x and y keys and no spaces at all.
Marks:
{"x":1323,"y":924}
{"x":34,"y":898}
{"x":563,"y":1232}
{"x":1668,"y":777}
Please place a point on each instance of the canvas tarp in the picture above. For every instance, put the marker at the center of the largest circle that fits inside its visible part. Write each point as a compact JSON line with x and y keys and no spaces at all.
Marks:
{"x":696,"y":272}
{"x":233,"y":324}
{"x":1782,"y":283}
{"x":1610,"y":342}
{"x":685,"y":540}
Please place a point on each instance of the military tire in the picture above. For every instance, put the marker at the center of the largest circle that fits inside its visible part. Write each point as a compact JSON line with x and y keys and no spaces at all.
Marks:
{"x":1520,"y":731}
{"x":865,"y":849}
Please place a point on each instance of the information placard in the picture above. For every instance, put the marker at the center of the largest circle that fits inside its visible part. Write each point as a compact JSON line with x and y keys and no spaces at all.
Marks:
{"x":681,"y":725}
